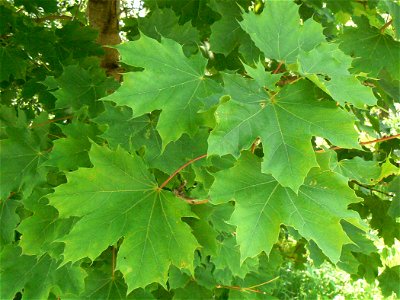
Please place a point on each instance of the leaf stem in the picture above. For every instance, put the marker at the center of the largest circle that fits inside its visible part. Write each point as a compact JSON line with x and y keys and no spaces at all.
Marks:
{"x":113,"y":263}
{"x":372,"y":189}
{"x":266,"y":282}
{"x":53,"y":18}
{"x":386,"y":138}
{"x":277,"y":68}
{"x":180,"y":169}
{"x":51,"y":121}
{"x":387,"y":24}
{"x":241,"y":289}
{"x":254,"y":145}
{"x":190,"y":200}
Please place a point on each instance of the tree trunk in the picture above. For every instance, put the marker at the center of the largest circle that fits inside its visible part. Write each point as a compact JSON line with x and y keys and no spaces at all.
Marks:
{"x":104,"y":16}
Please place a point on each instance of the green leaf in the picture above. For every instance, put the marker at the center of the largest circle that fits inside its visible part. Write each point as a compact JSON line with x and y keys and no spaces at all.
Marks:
{"x":154,"y":88}
{"x":328,"y":60}
{"x":262,"y":205}
{"x":36,"y":277}
{"x":228,"y":259}
{"x":79,"y":87}
{"x":128,"y":132}
{"x":261,"y":77}
{"x":21,"y":156}
{"x":226,"y":33}
{"x":394,"y":10}
{"x":119,"y":198}
{"x":12,"y":63}
{"x":177,"y":278}
{"x":8,"y":220}
{"x":180,"y":152}
{"x":394,"y":187}
{"x":378,"y":52}
{"x":389,"y":281}
{"x":205,"y":234}
{"x":193,"y":291}
{"x":281,"y":38}
{"x":48,"y":6}
{"x":380,"y":219}
{"x":164,"y":22}
{"x":101,"y":284}
{"x":78,"y":42}
{"x":40,"y":230}
{"x":71,"y":152}
{"x":365,"y":172}
{"x":288,"y":153}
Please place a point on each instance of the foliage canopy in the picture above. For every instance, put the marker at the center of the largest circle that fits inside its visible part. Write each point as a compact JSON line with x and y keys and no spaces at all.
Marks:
{"x":243,"y":135}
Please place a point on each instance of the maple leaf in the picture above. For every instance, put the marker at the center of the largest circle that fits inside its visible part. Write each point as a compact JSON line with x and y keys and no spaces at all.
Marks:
{"x":262,"y":205}
{"x":288,"y":153}
{"x":389,"y":279}
{"x":128,"y":132}
{"x":78,"y":87}
{"x":105,"y":284}
{"x":378,"y":51}
{"x":117,"y":198}
{"x":327,"y":66}
{"x":170,"y":82}
{"x":43,"y":227}
{"x":8,"y":220}
{"x":281,"y":38}
{"x":263,"y":78}
{"x":164,"y":22}
{"x":11,"y":63}
{"x":289,"y":42}
{"x":22,"y":153}
{"x":71,"y":152}
{"x":226,"y":33}
{"x":36,"y":276}
{"x":228,"y":259}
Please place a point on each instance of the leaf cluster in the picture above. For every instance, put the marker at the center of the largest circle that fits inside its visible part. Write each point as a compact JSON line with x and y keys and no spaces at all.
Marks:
{"x":244,"y":136}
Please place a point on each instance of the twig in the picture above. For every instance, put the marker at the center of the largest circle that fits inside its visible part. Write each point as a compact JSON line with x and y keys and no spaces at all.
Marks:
{"x":9,"y":196}
{"x":178,"y":170}
{"x":113,"y":263}
{"x":241,"y":289}
{"x":50,"y":121}
{"x":290,"y":80}
{"x":248,"y":289}
{"x":277,"y":68}
{"x":192,"y":201}
{"x":254,"y":145}
{"x":53,"y":18}
{"x":264,"y":283}
{"x":77,"y":10}
{"x":372,"y":189}
{"x":386,"y":138}
{"x":387,"y":24}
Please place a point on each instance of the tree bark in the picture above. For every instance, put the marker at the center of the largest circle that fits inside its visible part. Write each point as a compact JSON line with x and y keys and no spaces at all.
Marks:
{"x":104,"y":16}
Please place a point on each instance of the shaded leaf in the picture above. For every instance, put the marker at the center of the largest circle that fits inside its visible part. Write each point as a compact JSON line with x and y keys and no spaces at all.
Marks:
{"x":262,"y":205}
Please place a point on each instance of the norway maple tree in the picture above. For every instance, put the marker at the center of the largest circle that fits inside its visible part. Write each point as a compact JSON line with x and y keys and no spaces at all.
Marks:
{"x":235,"y":126}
